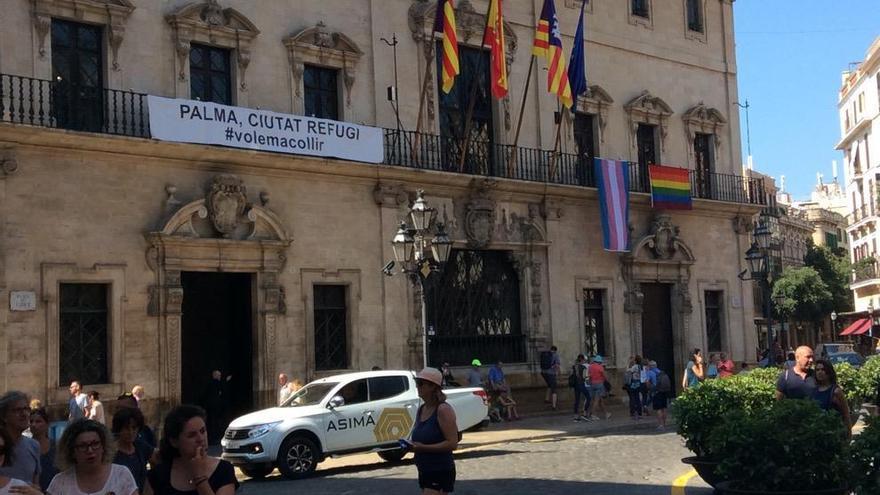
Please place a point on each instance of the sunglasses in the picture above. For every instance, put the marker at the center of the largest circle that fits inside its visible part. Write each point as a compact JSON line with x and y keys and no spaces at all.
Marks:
{"x":420,"y":382}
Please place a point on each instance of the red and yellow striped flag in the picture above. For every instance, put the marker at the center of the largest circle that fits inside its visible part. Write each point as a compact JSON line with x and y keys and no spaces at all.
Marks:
{"x":548,"y":45}
{"x":495,"y":39}
{"x":444,"y":23}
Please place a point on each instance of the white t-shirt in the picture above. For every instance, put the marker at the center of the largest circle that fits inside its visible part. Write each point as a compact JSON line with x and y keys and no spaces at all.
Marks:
{"x":4,"y":490}
{"x":120,"y":482}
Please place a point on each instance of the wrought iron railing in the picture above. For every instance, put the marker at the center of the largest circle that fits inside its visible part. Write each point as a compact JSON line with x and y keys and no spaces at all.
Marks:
{"x":865,"y":269}
{"x":39,"y":102}
{"x":859,"y":214}
{"x":460,"y":350}
{"x":59,"y":104}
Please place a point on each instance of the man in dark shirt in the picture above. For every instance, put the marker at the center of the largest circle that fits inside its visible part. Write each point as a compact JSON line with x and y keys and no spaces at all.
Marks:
{"x":798,"y":382}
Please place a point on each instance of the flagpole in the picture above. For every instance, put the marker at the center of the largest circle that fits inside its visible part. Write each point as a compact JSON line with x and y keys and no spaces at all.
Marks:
{"x":422,"y":94}
{"x":472,"y":102}
{"x":556,"y":141}
{"x":511,"y":163}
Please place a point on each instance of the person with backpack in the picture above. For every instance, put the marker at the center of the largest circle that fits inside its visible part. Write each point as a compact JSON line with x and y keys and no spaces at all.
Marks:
{"x":596,"y":372}
{"x":579,"y":371}
{"x":633,"y":381}
{"x":550,"y":365}
{"x":660,"y":400}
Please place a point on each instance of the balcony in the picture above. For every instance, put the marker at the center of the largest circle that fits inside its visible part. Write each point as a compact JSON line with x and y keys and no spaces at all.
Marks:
{"x":864,"y":212}
{"x":865,"y":273}
{"x":55,"y":104}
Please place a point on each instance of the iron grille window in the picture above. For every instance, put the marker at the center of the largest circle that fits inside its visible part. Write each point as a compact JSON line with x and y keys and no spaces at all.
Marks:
{"x":473,"y":310}
{"x":695,"y":15}
{"x":331,"y":332}
{"x":641,"y":8}
{"x":705,"y":157}
{"x":713,"y":319}
{"x":587,"y":148}
{"x":646,"y":138}
{"x":84,"y":337}
{"x":594,"y":322}
{"x":474,"y":70}
{"x":77,"y":90}
{"x":321,"y":92}
{"x":210,"y":78}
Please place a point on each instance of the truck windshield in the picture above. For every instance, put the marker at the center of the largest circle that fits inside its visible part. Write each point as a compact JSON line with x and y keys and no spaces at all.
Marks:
{"x":310,"y":395}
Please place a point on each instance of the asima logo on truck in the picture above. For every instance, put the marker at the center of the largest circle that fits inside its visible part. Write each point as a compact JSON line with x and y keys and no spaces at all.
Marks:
{"x":394,"y":423}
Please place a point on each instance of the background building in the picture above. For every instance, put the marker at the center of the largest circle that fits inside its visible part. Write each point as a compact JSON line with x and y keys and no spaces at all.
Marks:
{"x":136,"y":260}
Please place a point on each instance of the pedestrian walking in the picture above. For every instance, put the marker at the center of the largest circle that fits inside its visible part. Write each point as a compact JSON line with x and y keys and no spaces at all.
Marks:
{"x":76,"y":406}
{"x":726,"y":367}
{"x":138,"y":393}
{"x":434,"y":436}
{"x":634,"y":387}
{"x":131,"y":452}
{"x":39,"y":426}
{"x":85,"y":454}
{"x":596,"y":373}
{"x":550,"y":365}
{"x":10,"y":485}
{"x":23,"y":453}
{"x":475,"y":378}
{"x":215,"y":401}
{"x":283,"y":389}
{"x":660,"y":401}
{"x":829,"y":394}
{"x":694,"y":370}
{"x":184,"y":465}
{"x":581,"y":405}
{"x":648,"y":382}
{"x":506,"y":401}
{"x":448,"y":378}
{"x":712,"y":368}
{"x":95,"y":409}
{"x":789,"y":361}
{"x":799,"y":382}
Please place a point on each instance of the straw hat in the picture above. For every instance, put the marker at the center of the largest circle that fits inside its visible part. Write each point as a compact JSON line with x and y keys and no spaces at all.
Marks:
{"x":432,"y":375}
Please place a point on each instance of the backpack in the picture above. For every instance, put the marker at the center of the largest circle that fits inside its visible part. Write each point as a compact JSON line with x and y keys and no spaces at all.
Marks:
{"x":572,"y":377}
{"x":664,"y":384}
{"x":546,"y":360}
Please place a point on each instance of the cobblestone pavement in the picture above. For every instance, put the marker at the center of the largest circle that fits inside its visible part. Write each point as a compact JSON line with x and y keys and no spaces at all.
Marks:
{"x":546,"y":455}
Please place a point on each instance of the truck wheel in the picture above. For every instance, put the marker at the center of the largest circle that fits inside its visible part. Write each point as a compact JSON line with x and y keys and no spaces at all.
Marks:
{"x":394,"y":455}
{"x":298,"y":458}
{"x":257,"y":471}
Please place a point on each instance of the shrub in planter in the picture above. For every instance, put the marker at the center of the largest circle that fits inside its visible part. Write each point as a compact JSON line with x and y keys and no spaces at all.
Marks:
{"x":868,"y":382}
{"x":865,"y":459}
{"x":793,"y":446}
{"x":698,"y":410}
{"x":849,"y":379}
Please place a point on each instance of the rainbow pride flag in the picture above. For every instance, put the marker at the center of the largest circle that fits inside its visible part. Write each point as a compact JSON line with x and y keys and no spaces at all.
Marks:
{"x":670,"y":188}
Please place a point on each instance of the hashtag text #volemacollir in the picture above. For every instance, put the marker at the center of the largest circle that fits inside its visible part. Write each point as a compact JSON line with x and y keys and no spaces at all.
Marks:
{"x":253,"y":137}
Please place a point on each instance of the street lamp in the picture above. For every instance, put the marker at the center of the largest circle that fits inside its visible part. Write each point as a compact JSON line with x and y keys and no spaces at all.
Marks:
{"x":421,"y":249}
{"x":833,"y":325}
{"x":871,"y":316}
{"x":758,"y":259}
{"x":778,"y":301}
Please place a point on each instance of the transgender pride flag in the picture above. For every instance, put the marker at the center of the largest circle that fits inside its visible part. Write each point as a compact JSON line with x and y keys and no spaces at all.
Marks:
{"x":612,"y":177}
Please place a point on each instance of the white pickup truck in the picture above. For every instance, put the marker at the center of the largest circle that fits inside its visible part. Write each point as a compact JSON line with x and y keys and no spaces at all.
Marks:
{"x":338,"y":415}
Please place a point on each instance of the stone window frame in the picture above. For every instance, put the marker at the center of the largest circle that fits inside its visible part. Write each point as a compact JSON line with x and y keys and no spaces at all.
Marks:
{"x":704,"y":120}
{"x":112,"y":15}
{"x":576,"y":4}
{"x":351,"y":279}
{"x":607,"y":285}
{"x":52,"y":275}
{"x":703,"y":286}
{"x":208,"y":23}
{"x":690,"y":34}
{"x":319,"y":47}
{"x":596,"y":101}
{"x":637,"y":20}
{"x":651,"y":110}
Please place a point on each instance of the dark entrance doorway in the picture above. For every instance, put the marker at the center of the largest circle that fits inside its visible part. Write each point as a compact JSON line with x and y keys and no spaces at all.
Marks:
{"x":657,"y":338}
{"x":217,"y":335}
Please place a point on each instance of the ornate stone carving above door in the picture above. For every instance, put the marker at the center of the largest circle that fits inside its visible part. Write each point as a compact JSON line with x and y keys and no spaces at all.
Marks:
{"x":479,"y":219}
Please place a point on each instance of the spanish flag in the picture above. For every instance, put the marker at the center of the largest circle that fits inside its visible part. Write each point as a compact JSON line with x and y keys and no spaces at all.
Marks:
{"x":444,"y":23}
{"x":670,"y":188}
{"x":495,"y":39}
{"x":548,"y":45}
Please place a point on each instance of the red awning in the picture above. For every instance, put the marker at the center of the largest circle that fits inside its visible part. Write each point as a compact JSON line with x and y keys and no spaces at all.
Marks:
{"x":857,"y":327}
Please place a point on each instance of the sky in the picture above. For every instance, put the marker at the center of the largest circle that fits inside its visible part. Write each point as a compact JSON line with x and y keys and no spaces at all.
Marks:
{"x":790,"y":56}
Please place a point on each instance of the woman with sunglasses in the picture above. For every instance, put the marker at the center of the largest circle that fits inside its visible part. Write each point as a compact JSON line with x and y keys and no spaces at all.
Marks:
{"x":11,"y":485}
{"x":85,"y":453}
{"x":434,"y":436}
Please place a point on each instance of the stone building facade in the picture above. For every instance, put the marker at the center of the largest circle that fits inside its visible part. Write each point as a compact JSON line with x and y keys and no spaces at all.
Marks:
{"x":143,"y":261}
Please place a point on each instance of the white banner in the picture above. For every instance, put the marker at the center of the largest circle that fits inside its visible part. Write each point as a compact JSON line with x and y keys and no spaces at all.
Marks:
{"x":190,"y":121}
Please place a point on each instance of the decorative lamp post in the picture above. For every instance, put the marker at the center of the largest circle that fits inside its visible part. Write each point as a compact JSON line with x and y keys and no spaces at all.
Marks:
{"x":758,"y":259}
{"x":778,"y":301}
{"x":871,"y":316}
{"x":833,"y":325}
{"x":421,"y":249}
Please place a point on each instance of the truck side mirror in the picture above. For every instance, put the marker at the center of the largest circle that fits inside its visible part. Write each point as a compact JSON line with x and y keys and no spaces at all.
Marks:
{"x":335,"y":402}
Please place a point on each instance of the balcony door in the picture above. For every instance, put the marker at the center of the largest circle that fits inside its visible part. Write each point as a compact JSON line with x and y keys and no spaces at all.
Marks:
{"x":473,"y":80}
{"x":77,"y":68}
